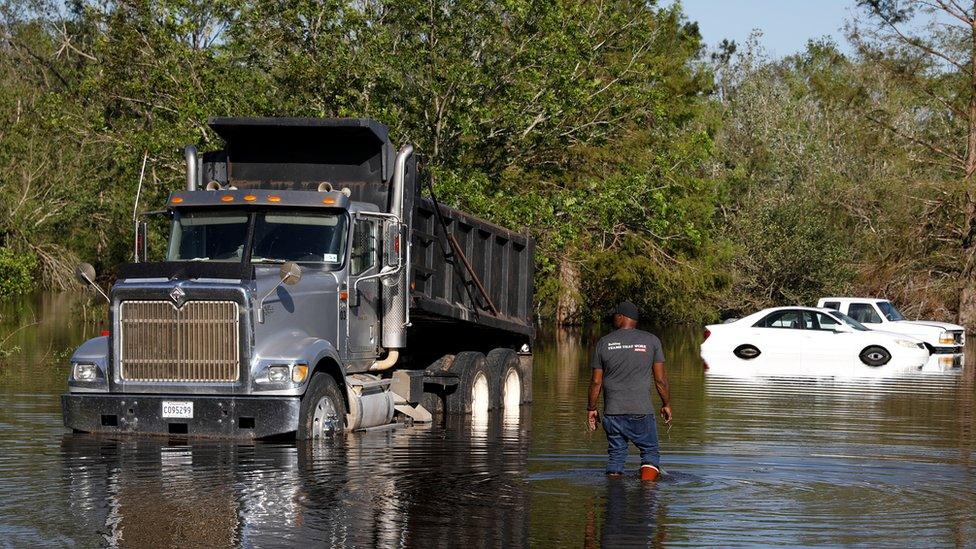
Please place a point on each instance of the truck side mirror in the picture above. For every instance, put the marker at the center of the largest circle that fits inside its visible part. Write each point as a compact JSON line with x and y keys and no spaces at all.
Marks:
{"x":85,"y":274}
{"x":290,"y":273}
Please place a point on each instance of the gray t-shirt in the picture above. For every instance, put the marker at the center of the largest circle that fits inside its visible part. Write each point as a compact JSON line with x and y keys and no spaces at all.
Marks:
{"x":626,"y":357}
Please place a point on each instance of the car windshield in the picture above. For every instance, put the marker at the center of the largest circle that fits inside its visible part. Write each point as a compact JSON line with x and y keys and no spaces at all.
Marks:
{"x":890,"y":312}
{"x":275,"y":237}
{"x":850,"y":321}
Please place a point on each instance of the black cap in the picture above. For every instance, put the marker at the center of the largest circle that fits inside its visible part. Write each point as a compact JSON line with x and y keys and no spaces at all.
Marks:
{"x":627,"y":309}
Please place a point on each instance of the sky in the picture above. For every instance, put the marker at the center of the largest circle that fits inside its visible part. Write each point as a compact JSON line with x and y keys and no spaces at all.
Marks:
{"x":786,"y":25}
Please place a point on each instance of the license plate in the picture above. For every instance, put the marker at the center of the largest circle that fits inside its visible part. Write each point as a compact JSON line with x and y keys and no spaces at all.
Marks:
{"x":177,"y":409}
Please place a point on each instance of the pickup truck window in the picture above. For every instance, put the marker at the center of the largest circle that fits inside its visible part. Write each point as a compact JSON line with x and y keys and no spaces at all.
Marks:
{"x":851,"y":322}
{"x":864,"y":313}
{"x":305,"y":237}
{"x":835,"y":305}
{"x":890,"y":312}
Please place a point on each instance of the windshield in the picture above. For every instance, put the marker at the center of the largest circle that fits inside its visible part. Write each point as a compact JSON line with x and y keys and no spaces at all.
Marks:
{"x":275,"y":237}
{"x":850,"y":321}
{"x":890,"y":312}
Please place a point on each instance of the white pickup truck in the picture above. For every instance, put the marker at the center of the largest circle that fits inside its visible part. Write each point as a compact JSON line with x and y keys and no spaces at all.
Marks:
{"x":880,"y":314}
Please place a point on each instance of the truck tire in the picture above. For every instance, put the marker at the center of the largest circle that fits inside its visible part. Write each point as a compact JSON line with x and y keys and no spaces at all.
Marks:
{"x":507,"y":369}
{"x":875,"y":356}
{"x":323,"y":410}
{"x":477,"y":389}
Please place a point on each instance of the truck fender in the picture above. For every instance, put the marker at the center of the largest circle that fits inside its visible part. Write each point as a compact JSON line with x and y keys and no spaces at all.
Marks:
{"x":319,"y":354}
{"x":93,"y":350}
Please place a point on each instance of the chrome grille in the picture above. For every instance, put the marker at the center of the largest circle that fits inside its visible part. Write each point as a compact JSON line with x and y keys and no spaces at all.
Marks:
{"x":198,"y":342}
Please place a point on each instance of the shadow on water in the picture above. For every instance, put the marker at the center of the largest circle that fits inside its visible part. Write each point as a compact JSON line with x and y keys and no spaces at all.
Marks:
{"x":751,"y":460}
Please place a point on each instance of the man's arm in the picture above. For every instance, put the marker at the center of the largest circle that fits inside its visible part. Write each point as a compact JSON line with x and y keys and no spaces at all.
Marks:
{"x":596,"y":384}
{"x":663,"y":390}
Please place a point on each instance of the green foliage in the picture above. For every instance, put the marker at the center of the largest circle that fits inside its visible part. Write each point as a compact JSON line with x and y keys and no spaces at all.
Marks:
{"x":691,"y":187}
{"x":17,"y":272}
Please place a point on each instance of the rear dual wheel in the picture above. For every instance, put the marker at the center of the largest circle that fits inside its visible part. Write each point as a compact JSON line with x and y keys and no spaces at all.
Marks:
{"x":492,"y":382}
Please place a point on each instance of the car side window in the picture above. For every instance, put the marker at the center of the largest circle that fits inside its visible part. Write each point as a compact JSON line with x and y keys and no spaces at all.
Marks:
{"x":363,"y":255}
{"x":864,"y":313}
{"x":835,"y":305}
{"x":781,"y":319}
{"x":827,"y":322}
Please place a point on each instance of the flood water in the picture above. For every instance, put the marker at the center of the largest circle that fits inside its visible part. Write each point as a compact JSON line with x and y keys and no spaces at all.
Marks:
{"x":783,"y":461}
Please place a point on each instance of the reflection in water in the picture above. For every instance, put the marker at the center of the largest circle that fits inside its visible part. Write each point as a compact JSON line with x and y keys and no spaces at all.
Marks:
{"x":750,"y":460}
{"x":405,"y":487}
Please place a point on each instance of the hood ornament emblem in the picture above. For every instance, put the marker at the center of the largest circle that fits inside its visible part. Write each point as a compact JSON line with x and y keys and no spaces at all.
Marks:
{"x":178,"y":296}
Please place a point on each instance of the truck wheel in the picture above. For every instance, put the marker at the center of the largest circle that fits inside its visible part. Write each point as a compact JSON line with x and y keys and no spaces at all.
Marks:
{"x":323,"y":410}
{"x":504,"y":364}
{"x":875,"y":356}
{"x":477,"y":389}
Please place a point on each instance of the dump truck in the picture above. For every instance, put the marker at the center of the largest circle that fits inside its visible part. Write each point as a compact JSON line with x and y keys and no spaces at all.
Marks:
{"x":309,"y":286}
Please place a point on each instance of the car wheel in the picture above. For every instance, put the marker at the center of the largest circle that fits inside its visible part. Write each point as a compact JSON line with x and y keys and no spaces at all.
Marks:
{"x":875,"y":356}
{"x":747,"y":351}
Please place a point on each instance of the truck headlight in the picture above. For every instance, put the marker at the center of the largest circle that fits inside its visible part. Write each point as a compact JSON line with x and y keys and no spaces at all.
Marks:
{"x":907,"y":343}
{"x":84,"y":371}
{"x":277,"y":373}
{"x":947,"y":339}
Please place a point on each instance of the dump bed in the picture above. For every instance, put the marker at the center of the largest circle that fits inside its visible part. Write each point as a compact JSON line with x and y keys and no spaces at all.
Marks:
{"x":484,"y":276}
{"x":463,"y":269}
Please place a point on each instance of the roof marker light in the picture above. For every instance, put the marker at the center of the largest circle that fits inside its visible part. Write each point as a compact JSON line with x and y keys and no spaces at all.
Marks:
{"x":250,"y":198}
{"x":177,"y":199}
{"x":328,"y":200}
{"x":227,"y":198}
{"x":274,"y":198}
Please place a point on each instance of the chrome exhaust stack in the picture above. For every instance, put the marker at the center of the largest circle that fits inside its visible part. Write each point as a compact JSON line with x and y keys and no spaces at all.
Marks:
{"x":395,"y":302}
{"x":190,"y":153}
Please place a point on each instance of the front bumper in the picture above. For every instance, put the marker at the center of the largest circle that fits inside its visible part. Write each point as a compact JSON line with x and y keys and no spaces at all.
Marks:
{"x":213,"y":416}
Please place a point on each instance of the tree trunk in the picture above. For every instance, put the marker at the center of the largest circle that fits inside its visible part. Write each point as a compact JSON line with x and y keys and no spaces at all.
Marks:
{"x":568,"y":305}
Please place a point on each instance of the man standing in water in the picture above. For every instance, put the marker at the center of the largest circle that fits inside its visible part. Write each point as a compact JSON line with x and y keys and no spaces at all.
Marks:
{"x":623,"y":364}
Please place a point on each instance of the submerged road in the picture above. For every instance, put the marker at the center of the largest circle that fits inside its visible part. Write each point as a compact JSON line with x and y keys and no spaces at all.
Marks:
{"x":750,"y":461}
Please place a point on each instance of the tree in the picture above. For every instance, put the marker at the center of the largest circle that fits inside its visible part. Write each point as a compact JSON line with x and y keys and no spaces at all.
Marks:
{"x":930,"y":46}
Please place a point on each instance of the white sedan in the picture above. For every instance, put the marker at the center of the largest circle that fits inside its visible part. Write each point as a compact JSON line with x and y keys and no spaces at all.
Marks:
{"x":808,"y":341}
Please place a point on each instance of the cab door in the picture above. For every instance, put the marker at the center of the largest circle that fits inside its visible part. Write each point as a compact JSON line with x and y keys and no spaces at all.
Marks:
{"x":827,"y":351}
{"x":362,"y":335}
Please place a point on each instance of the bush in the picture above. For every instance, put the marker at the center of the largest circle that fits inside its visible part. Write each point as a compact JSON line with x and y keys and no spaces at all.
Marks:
{"x":17,"y":272}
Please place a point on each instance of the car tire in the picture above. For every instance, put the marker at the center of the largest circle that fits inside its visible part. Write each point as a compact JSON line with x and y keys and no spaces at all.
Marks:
{"x":747,"y":351}
{"x":875,"y":356}
{"x":322,"y":412}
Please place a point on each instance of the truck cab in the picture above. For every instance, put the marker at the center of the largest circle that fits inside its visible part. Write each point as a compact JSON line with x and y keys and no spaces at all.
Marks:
{"x":301,"y":261}
{"x":881,"y":314}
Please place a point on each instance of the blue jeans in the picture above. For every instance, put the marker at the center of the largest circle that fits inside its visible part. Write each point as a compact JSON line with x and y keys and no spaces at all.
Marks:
{"x":639,"y":429}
